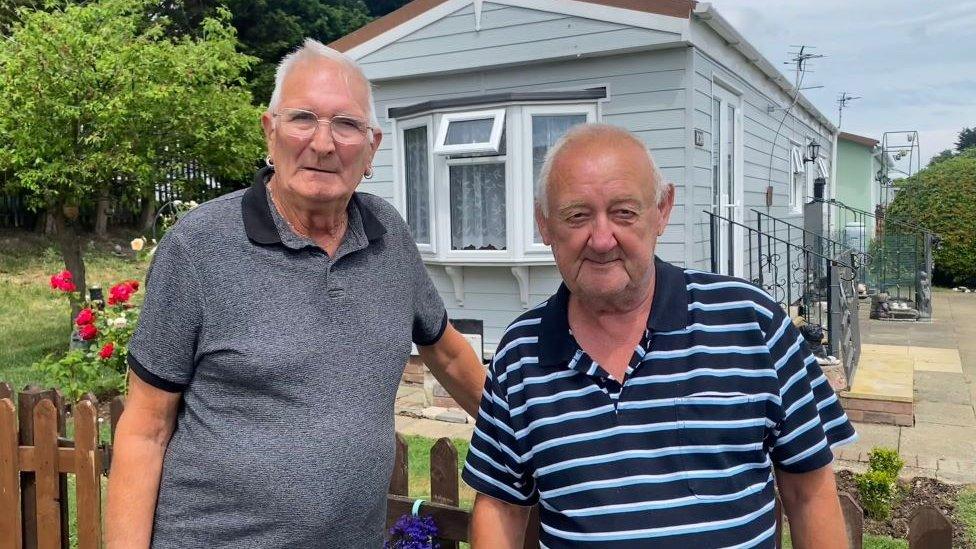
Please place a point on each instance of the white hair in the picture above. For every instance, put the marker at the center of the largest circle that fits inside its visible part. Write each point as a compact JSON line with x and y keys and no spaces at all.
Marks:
{"x":592,"y":131}
{"x":313,"y":49}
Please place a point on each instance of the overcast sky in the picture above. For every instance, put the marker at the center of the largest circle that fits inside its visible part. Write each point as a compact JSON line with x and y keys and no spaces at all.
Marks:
{"x":912,"y":62}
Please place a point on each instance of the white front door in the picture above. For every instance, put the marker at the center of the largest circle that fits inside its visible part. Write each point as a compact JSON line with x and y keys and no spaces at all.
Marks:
{"x":727,"y":180}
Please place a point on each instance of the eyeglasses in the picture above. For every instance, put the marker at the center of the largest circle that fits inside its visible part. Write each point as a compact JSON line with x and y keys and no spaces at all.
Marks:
{"x":302,"y":124}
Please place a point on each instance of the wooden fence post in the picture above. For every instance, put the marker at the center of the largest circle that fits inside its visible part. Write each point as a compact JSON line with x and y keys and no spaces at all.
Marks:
{"x":6,"y":391}
{"x":929,"y":529}
{"x":778,"y":536}
{"x":88,"y":473}
{"x":10,"y":525}
{"x":26,"y":400}
{"x":399,"y":480}
{"x":48,"y":521}
{"x":444,"y":478}
{"x":853,"y":521}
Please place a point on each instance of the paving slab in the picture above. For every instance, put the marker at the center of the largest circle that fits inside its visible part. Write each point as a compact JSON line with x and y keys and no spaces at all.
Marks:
{"x":937,"y":441}
{"x":883,"y":375}
{"x":870,"y":436}
{"x":935,"y":359}
{"x":944,"y":413}
{"x":942,"y":387}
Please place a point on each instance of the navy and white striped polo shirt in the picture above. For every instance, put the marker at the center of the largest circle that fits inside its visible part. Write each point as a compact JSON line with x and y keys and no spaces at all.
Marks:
{"x":721,"y":389}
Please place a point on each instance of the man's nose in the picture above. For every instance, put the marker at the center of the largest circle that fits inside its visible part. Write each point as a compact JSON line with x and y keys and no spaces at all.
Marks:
{"x":322,"y":142}
{"x":602,"y":239}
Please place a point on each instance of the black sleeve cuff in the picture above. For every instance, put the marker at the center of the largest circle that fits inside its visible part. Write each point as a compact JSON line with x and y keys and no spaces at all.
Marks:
{"x":152,"y":378}
{"x":437,"y":337}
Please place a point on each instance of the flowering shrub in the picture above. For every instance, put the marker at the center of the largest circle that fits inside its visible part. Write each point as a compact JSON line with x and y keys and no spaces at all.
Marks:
{"x":100,"y":367}
{"x":413,"y":532}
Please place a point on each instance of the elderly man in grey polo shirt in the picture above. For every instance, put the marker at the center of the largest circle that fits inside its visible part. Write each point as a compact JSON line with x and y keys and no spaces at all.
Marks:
{"x":276,"y":326}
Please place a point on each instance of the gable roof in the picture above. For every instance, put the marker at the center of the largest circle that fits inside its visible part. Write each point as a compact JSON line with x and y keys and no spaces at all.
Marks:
{"x":859,"y":139}
{"x":416,"y":8}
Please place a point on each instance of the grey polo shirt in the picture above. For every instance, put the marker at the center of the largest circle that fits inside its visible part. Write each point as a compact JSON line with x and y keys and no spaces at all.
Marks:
{"x":288,"y":361}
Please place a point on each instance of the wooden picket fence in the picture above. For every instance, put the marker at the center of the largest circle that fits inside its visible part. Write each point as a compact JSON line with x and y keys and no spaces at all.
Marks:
{"x":35,"y":459}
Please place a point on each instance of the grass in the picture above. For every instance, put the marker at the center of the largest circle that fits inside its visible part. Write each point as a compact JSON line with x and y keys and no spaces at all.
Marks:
{"x":34,"y":322}
{"x":870,"y":542}
{"x":966,"y":511}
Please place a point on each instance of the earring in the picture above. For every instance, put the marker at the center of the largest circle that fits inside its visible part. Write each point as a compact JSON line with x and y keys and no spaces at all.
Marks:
{"x":269,"y":161}
{"x":369,"y":173}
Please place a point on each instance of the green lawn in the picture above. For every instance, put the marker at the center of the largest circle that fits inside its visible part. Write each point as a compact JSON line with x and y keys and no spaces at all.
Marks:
{"x":35,"y":322}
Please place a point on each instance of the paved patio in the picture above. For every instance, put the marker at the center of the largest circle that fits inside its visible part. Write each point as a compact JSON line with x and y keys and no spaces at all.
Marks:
{"x":942,"y":443}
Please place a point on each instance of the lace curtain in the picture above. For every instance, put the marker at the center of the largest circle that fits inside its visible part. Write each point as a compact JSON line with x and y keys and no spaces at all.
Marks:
{"x":416,"y":174}
{"x":478,"y":206}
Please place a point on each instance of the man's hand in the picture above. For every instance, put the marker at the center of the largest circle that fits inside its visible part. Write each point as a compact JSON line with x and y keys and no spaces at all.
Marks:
{"x":811,"y":503}
{"x":496,"y":524}
{"x":455,"y":365}
{"x":141,"y":438}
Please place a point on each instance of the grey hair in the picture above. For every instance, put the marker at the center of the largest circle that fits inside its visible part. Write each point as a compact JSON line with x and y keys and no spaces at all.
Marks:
{"x":585,"y":132}
{"x":313,"y":49}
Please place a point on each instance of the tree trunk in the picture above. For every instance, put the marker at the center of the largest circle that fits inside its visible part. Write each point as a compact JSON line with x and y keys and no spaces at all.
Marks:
{"x":101,"y":213}
{"x":69,"y":241}
{"x":148,"y":213}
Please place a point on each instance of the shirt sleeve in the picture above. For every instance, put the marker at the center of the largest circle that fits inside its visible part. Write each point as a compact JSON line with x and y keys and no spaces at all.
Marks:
{"x":429,"y":313}
{"x":162,"y":351}
{"x":811,"y":421}
{"x":494,"y":465}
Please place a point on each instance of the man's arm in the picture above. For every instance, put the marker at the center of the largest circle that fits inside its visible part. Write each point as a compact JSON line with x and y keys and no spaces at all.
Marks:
{"x":455,"y":365}
{"x":811,"y":503}
{"x":141,"y":438}
{"x":496,"y":524}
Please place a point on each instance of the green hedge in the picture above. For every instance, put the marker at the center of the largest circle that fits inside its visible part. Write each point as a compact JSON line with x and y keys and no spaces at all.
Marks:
{"x":943,"y":198}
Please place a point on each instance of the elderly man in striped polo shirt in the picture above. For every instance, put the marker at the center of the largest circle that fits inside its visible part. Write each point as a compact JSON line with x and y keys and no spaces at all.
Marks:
{"x":643,"y":404}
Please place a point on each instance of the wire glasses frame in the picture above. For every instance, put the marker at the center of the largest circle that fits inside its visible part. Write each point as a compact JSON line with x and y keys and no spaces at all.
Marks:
{"x":302,"y":124}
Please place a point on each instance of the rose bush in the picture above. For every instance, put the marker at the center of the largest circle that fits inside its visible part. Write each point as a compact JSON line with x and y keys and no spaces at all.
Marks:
{"x":106,"y":329}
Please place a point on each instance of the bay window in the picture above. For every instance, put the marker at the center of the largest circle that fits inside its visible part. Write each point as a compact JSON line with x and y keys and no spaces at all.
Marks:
{"x":468,"y":177}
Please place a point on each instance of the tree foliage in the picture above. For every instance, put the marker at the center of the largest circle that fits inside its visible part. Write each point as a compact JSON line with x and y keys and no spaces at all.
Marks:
{"x":99,"y":95}
{"x":269,"y":29}
{"x":942,"y":197}
{"x":966,"y":139}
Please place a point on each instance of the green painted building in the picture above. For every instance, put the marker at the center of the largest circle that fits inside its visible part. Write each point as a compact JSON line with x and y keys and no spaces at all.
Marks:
{"x":858,"y":162}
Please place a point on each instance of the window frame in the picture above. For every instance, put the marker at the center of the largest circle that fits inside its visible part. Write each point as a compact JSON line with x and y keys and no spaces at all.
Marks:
{"x":797,"y":177}
{"x":445,"y":183}
{"x":399,"y":127}
{"x":494,"y":140}
{"x":530,"y":246}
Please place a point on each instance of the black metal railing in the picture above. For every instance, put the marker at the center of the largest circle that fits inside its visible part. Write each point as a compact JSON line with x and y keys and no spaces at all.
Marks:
{"x":796,"y":276}
{"x":901,"y":264}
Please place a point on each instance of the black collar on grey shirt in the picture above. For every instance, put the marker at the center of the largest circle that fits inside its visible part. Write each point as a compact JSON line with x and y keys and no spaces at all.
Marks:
{"x":259,"y":223}
{"x":669,"y":311}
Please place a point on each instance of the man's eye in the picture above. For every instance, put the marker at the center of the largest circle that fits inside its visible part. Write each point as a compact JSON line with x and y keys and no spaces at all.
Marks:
{"x":301,"y":117}
{"x":349,"y":124}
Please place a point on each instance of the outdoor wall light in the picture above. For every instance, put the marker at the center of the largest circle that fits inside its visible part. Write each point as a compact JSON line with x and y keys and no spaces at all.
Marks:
{"x":813,"y":151}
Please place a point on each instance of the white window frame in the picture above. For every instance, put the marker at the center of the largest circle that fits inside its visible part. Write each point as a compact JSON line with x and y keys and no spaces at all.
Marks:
{"x":490,"y":146}
{"x":444,"y":184}
{"x":528,"y":189}
{"x":822,"y":168}
{"x":399,"y":126}
{"x":797,"y":169}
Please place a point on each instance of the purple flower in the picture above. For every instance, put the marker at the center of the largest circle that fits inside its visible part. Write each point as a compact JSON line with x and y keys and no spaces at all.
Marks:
{"x":412,"y":532}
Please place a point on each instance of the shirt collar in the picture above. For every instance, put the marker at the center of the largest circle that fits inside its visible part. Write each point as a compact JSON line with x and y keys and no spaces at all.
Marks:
{"x":669,"y":311}
{"x":259,"y":222}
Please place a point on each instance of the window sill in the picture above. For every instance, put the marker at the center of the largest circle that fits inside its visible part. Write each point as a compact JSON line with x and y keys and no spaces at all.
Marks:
{"x":525,"y":261}
{"x":454,"y":269}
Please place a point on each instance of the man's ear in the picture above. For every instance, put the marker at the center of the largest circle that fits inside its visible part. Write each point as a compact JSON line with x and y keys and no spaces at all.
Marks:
{"x":664,"y":209}
{"x":542,"y":222}
{"x":267,"y":123}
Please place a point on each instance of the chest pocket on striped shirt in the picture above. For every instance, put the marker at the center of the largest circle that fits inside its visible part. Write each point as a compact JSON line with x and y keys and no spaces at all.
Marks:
{"x":721,"y":436}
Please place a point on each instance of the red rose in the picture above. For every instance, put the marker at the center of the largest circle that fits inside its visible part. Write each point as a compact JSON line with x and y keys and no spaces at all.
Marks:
{"x":120,"y":293}
{"x":86,"y":316}
{"x":88,"y":332}
{"x":107,"y":350}
{"x":134,"y":284}
{"x":63,"y":281}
